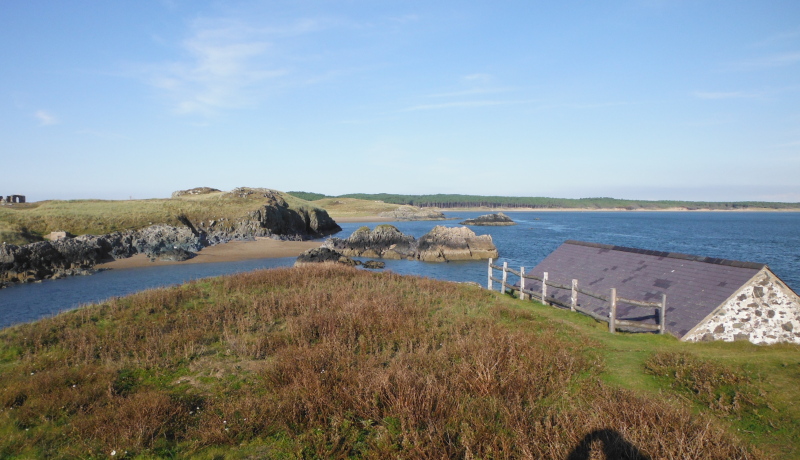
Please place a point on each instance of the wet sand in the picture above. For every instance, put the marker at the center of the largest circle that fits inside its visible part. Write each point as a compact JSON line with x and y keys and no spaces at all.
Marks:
{"x":262,"y":248}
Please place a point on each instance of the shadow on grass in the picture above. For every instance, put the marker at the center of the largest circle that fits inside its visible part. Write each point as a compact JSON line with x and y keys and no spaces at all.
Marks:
{"x":614,"y":446}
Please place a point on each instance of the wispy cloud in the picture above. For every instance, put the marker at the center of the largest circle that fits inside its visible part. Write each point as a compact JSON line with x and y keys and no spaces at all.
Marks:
{"x":777,"y":38}
{"x":470,"y":92}
{"x":724,"y":95}
{"x":465,"y":104}
{"x":227,"y":64}
{"x":46,"y":118}
{"x":775,"y":60}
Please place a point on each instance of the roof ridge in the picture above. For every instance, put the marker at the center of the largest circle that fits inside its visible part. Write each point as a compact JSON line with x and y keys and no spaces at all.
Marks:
{"x":671,"y":255}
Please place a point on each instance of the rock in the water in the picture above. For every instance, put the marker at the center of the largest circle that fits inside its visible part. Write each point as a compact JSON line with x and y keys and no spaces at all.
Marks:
{"x":490,"y":220}
{"x":444,"y":243}
{"x":386,"y":241}
{"x":407,"y":212}
{"x":374,"y":264}
{"x":324,"y":255}
{"x":439,"y":245}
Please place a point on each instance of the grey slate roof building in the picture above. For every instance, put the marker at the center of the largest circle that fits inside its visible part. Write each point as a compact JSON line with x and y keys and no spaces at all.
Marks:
{"x":707,"y":298}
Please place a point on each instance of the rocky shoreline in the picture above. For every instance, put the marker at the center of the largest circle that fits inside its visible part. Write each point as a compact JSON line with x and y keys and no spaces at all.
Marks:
{"x":79,"y":255}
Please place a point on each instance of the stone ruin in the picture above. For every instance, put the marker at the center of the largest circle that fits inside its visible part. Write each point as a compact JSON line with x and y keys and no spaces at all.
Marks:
{"x":12,"y":199}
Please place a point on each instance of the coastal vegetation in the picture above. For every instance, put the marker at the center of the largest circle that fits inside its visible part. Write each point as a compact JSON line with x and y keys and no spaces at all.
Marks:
{"x":335,"y":362}
{"x":32,"y":221}
{"x":447,"y":201}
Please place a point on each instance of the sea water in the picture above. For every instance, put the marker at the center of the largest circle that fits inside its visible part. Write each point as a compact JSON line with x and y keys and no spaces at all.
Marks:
{"x":772,"y":238}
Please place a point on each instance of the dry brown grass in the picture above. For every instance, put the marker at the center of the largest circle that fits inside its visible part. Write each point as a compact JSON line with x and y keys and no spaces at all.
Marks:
{"x":325,"y":362}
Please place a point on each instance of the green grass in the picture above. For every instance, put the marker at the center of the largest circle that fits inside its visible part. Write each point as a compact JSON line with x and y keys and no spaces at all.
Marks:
{"x":334,"y":362}
{"x":768,"y":374}
{"x":351,"y":207}
{"x":98,"y":217}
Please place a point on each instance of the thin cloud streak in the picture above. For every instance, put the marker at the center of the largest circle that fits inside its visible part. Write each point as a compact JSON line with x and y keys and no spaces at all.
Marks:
{"x":724,"y":95}
{"x":464,"y":104}
{"x":46,"y":118}
{"x":228,"y":65}
{"x":776,"y":60}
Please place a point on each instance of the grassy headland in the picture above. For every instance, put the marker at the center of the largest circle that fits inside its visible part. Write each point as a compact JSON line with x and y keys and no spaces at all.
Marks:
{"x":31,"y":221}
{"x":444,"y":201}
{"x":333,"y":362}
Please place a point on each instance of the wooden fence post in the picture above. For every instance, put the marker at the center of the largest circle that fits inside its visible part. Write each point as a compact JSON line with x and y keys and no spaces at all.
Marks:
{"x":612,"y":315}
{"x":521,"y":283}
{"x":505,"y":276}
{"x":489,"y":284}
{"x":574,"y":297}
{"x":544,"y":288}
{"x":662,"y":314}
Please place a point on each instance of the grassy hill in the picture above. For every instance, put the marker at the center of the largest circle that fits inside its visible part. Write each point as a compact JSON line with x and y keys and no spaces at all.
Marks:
{"x":29,"y":222}
{"x":334,"y":362}
{"x":477,"y":201}
{"x":353,"y":207}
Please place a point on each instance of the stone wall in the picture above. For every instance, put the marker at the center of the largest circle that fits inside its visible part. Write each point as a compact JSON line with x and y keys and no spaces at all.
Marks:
{"x":763,"y":312}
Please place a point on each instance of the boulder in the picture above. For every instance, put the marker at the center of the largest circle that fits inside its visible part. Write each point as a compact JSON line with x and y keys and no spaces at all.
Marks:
{"x":323,"y":255}
{"x":407,"y":212}
{"x":374,"y":264}
{"x":498,"y":219}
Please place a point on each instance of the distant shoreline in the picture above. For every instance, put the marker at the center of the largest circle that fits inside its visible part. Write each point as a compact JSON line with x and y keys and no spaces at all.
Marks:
{"x":614,"y":210}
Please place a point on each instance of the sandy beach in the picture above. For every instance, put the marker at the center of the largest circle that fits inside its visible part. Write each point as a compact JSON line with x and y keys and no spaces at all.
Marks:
{"x":262,"y":248}
{"x":359,"y":219}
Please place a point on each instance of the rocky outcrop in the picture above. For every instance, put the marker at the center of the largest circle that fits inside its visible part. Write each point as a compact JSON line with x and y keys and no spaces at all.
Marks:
{"x":194,"y":191}
{"x":323,"y":256}
{"x":498,"y":219}
{"x":386,"y":241}
{"x":444,"y":243}
{"x":441,"y":244}
{"x":79,"y":255}
{"x":274,"y":219}
{"x":407,"y":212}
{"x":69,"y":256}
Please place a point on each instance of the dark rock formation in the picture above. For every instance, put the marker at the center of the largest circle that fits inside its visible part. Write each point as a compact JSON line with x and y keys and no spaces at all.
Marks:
{"x":386,"y":241}
{"x":175,"y":255}
{"x":490,"y":219}
{"x":439,"y":245}
{"x":273,"y":219}
{"x":374,"y":264}
{"x":406,"y":212}
{"x":324,"y":255}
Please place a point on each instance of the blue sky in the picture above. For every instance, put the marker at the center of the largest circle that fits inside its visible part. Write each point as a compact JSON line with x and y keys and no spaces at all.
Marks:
{"x":639,"y":99}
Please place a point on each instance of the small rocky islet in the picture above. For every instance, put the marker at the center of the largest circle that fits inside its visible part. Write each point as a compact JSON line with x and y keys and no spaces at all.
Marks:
{"x":498,"y":219}
{"x":441,"y":244}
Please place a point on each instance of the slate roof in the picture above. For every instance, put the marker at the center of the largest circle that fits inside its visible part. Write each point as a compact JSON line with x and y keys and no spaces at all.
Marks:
{"x":694,"y":285}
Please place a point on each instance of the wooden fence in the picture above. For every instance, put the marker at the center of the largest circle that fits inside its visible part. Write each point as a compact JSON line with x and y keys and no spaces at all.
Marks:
{"x":612,"y":298}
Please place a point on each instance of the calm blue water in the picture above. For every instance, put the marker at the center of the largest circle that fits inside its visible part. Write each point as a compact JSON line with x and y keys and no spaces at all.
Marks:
{"x":771,"y":238}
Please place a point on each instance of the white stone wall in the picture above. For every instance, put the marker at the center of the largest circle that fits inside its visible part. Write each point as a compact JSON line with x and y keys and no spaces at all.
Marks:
{"x":763,"y":312}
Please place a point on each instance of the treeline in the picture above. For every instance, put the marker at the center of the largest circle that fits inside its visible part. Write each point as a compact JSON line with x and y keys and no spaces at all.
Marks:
{"x":475,"y":201}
